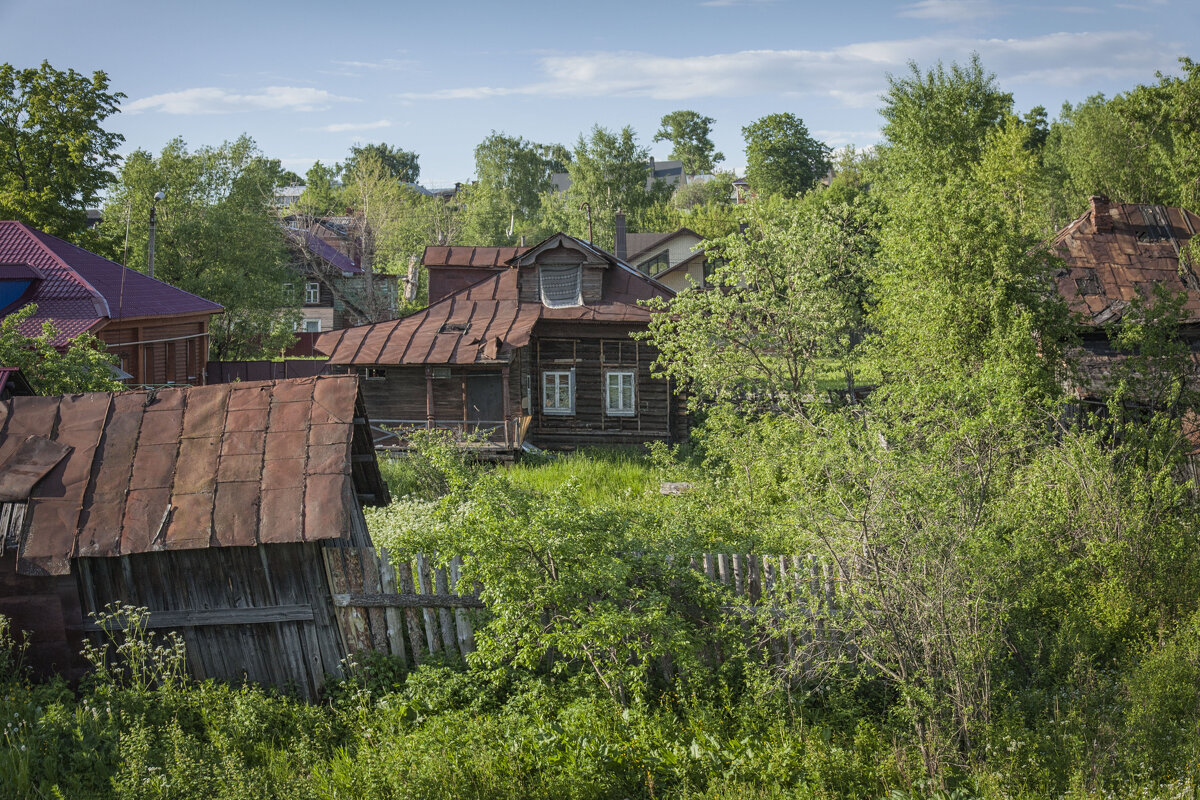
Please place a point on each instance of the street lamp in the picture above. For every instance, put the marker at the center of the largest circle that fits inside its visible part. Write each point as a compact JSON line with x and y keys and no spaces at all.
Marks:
{"x":153,"y":221}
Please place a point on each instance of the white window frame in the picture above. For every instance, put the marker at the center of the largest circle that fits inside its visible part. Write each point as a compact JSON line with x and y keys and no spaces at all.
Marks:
{"x":312,"y":292}
{"x":289,"y":291}
{"x":623,"y":376}
{"x":303,"y":326}
{"x":555,"y":377}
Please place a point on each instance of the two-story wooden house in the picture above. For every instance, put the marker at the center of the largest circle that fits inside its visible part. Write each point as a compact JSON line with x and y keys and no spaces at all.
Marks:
{"x":536,"y":349}
{"x":159,"y":332}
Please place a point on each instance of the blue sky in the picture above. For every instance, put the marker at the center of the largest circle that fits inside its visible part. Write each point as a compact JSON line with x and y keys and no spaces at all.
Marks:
{"x":307,"y":80}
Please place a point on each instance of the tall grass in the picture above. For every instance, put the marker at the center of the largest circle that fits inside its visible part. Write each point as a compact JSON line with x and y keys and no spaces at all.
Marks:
{"x":603,"y":475}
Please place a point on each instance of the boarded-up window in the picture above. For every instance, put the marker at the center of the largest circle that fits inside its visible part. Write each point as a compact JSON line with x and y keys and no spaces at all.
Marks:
{"x":561,"y":285}
{"x":558,"y":392}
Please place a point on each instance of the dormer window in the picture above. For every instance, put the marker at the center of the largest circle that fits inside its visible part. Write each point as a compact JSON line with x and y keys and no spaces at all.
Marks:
{"x":561,"y":285}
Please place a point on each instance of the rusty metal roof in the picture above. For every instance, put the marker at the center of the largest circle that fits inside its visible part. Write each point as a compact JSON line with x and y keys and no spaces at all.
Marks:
{"x":1117,"y":252}
{"x":234,"y":464}
{"x":496,"y":257}
{"x":486,"y":321}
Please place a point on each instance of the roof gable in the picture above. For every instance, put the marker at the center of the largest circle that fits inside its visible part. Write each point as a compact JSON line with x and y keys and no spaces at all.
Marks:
{"x":486,"y":321}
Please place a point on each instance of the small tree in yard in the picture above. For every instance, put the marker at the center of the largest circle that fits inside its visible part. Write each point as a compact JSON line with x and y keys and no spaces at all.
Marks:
{"x":82,"y":366}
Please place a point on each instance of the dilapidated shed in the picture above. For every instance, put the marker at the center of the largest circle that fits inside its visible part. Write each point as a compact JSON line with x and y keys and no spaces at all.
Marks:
{"x":210,"y":506}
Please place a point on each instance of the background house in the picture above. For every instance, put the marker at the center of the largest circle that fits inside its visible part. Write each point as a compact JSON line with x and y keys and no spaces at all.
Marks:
{"x":159,"y":333}
{"x":210,"y":506}
{"x":334,"y":290}
{"x":1117,"y":253}
{"x":674,"y":259}
{"x":538,"y":350}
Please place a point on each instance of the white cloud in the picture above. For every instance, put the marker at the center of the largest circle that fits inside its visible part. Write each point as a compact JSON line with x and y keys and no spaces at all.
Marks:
{"x":211,"y":100}
{"x":382,"y":64}
{"x":852,"y":75}
{"x":343,"y":127}
{"x":950,"y":10}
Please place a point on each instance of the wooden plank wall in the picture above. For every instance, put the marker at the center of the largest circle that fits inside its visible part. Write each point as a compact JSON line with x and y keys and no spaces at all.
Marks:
{"x":260,"y":614}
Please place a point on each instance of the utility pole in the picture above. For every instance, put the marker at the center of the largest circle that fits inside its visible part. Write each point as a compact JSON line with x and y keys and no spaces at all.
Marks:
{"x":153,"y":223}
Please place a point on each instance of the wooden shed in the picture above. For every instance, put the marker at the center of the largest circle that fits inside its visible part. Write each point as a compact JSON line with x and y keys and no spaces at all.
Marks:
{"x":211,"y":506}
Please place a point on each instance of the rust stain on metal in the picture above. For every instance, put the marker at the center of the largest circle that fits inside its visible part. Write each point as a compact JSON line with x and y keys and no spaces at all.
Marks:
{"x":196,"y":467}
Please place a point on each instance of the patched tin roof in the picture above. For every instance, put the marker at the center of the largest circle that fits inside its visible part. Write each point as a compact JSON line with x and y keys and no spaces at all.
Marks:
{"x":1117,"y":252}
{"x":235,"y":464}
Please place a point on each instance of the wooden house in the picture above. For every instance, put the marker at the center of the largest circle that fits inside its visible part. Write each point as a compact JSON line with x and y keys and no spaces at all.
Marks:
{"x":214,"y":507}
{"x":159,"y":333}
{"x":537,"y":348}
{"x":1117,"y":253}
{"x":333,"y":289}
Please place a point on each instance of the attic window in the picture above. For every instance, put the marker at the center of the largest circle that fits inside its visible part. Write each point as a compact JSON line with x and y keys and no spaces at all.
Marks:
{"x":1088,"y":283}
{"x":657,"y":264}
{"x":561,"y":285}
{"x":455,"y":327}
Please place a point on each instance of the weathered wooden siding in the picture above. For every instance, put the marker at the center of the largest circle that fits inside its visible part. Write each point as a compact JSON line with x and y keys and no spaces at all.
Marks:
{"x":157,"y":352}
{"x":261,"y":614}
{"x":656,"y":416}
{"x":47,"y":608}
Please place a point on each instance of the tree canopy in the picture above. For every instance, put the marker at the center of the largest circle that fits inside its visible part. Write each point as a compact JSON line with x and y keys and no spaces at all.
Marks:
{"x":400,"y":164}
{"x":688,"y":133}
{"x":81,"y":366}
{"x":781,"y":157}
{"x":217,"y":237}
{"x":55,"y":154}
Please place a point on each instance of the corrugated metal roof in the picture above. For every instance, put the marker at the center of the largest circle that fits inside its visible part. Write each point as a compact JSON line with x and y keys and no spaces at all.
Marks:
{"x":234,"y":464}
{"x":484,"y":322}
{"x":80,"y":290}
{"x":1117,"y":252}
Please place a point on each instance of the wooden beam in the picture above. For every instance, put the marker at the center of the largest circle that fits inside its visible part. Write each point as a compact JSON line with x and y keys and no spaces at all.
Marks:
{"x":194,"y":618}
{"x":428,"y":398}
{"x":360,"y":600}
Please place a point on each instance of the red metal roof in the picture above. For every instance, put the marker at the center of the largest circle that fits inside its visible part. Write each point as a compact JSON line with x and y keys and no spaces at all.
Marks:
{"x":191,"y":467}
{"x":495,"y":319}
{"x":80,"y":290}
{"x":470,"y":256}
{"x":1116,"y":252}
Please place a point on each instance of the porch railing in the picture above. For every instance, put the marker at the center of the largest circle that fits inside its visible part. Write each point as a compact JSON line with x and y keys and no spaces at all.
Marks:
{"x":482,"y":434}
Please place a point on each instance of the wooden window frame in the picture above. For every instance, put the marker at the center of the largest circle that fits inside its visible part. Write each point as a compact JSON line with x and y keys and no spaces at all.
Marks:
{"x":620,"y":411}
{"x":312,"y":293}
{"x":558,"y":374}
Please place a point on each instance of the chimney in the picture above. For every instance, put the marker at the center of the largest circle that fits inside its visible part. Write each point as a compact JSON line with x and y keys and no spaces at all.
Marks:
{"x":619,"y":240}
{"x":1101,"y":220}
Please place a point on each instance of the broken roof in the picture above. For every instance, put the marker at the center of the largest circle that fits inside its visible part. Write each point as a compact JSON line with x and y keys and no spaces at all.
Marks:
{"x":78,"y":290}
{"x":485,"y":321}
{"x":1117,"y":252}
{"x":235,"y":464}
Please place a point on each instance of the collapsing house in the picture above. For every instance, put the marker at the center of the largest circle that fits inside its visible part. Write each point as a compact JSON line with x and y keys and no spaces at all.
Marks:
{"x":527,"y":345}
{"x":211,"y":506}
{"x":1114,"y":255}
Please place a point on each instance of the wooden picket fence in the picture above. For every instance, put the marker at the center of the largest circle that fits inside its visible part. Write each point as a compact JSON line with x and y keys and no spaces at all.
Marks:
{"x":409,"y":608}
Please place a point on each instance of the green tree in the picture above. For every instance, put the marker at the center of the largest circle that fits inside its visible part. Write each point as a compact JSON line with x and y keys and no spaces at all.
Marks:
{"x":937,"y":122}
{"x":55,"y":155}
{"x":401,"y":164}
{"x":511,"y":175}
{"x":81,"y":366}
{"x":781,"y":157}
{"x":321,"y":197}
{"x":688,"y":133}
{"x":610,"y":172}
{"x":788,"y":309}
{"x":217,"y":237}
